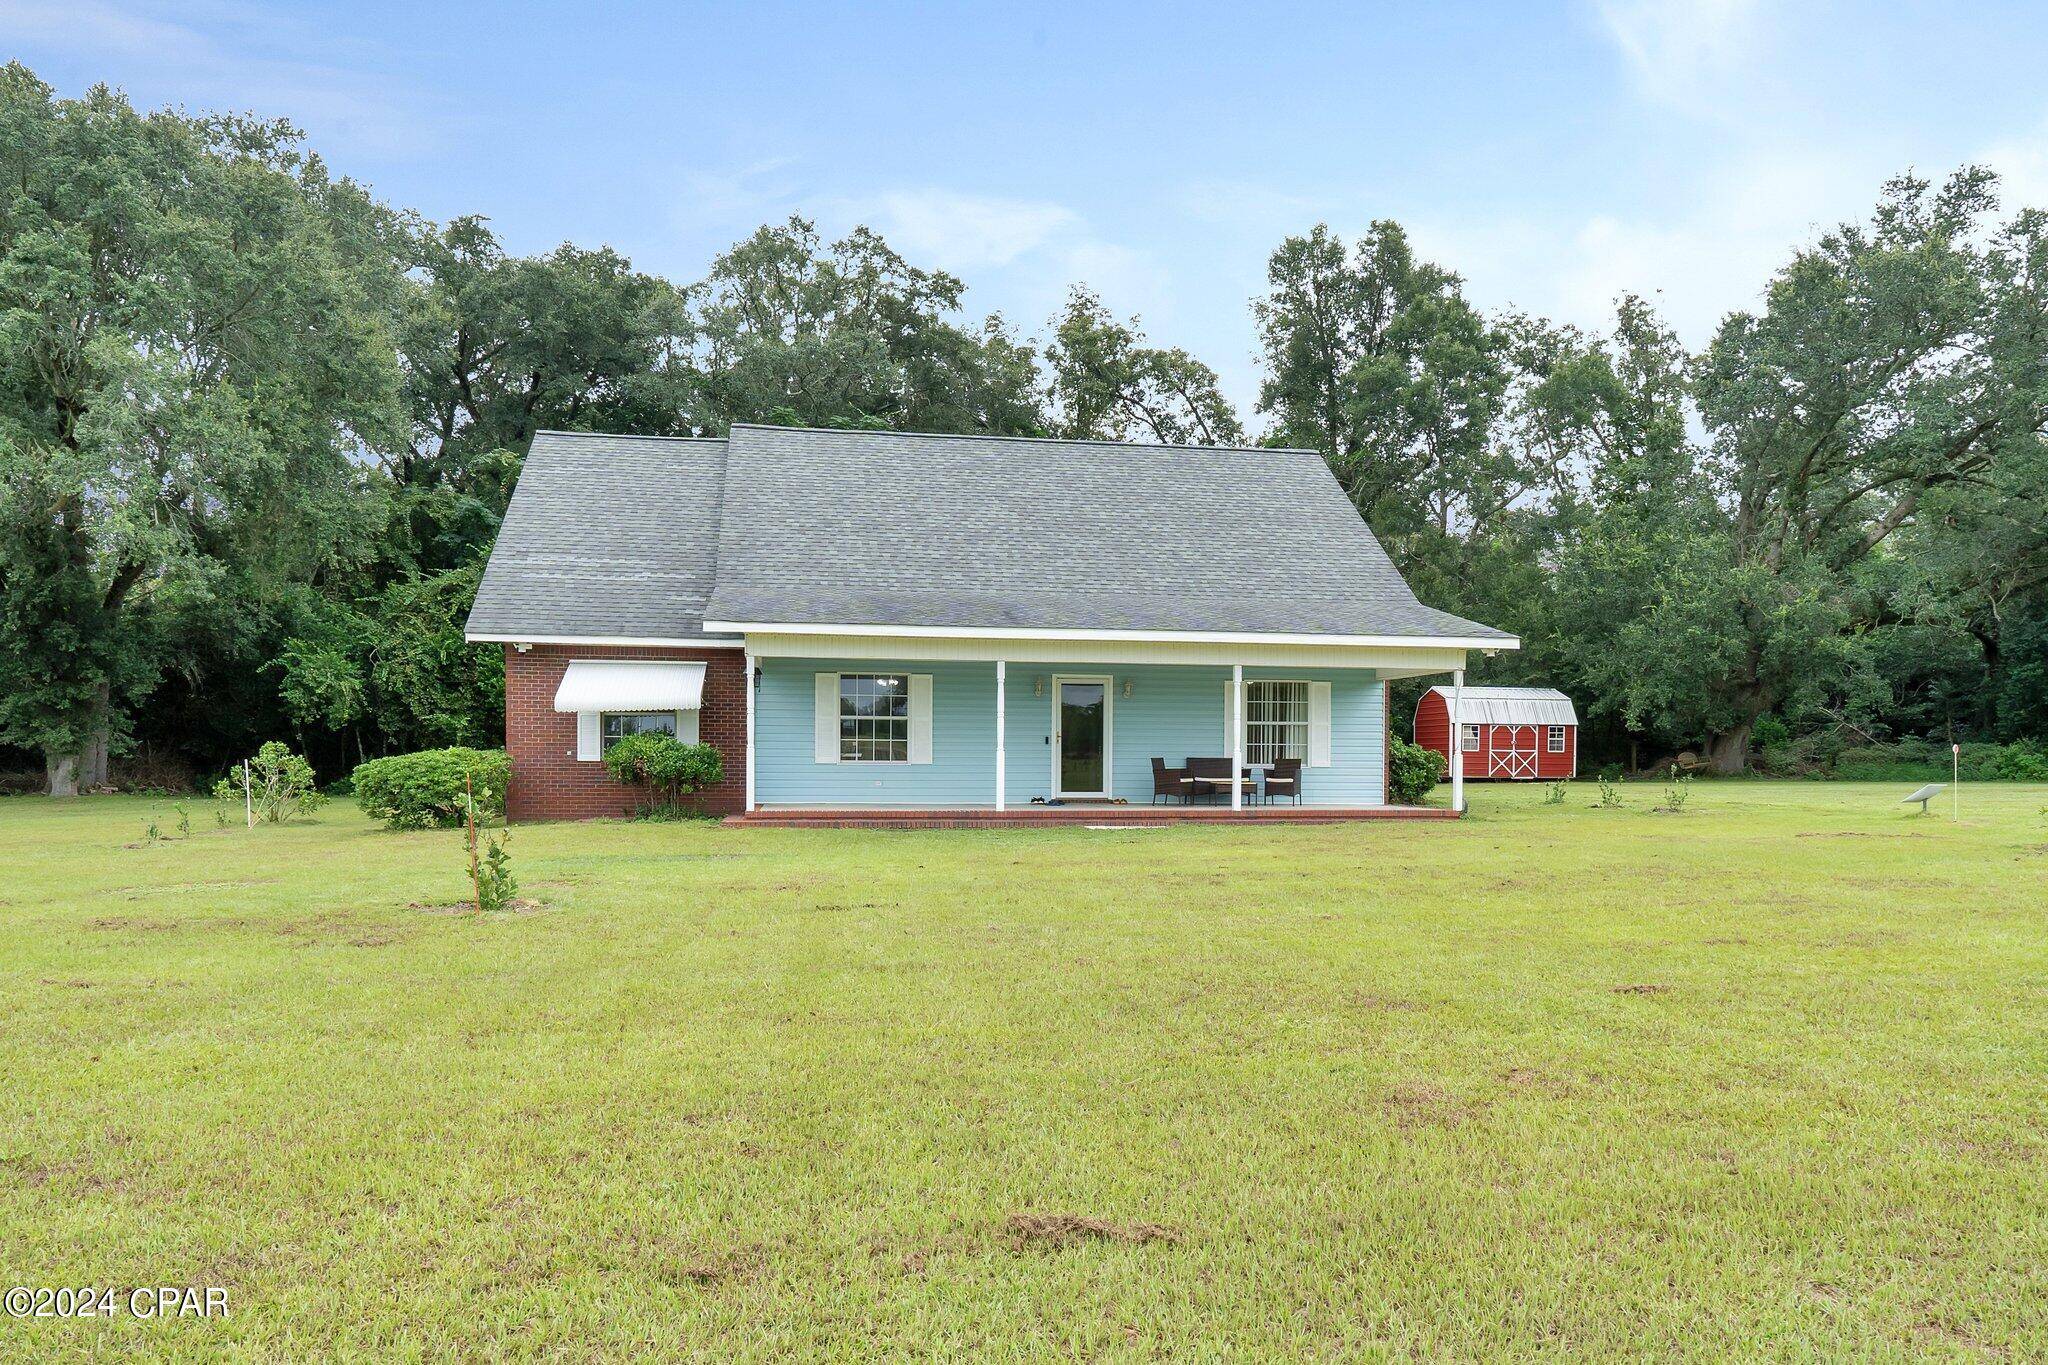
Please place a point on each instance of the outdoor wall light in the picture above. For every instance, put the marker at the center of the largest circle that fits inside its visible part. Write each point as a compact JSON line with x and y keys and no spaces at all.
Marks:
{"x":1127,"y":689}
{"x":1038,"y":685}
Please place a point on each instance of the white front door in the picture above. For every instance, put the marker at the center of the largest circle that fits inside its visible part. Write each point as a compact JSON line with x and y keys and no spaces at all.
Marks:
{"x":1080,"y":736}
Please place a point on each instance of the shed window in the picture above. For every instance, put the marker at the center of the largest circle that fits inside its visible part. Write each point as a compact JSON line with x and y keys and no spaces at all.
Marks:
{"x":618,"y":724}
{"x":1557,"y":739}
{"x":874,"y":718}
{"x":1469,"y":739}
{"x":1276,"y":721}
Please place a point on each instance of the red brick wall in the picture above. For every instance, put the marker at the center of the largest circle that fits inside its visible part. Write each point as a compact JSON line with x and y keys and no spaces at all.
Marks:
{"x":548,"y":783}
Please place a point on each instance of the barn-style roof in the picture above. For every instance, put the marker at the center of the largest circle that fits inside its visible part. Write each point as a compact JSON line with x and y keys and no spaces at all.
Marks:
{"x":1511,"y":706}
{"x":868,"y":529}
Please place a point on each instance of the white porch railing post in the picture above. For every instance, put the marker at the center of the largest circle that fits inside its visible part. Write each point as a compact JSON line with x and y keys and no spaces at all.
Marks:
{"x":1237,"y":736}
{"x":1002,"y":682}
{"x":1457,"y":739}
{"x":748,"y":657}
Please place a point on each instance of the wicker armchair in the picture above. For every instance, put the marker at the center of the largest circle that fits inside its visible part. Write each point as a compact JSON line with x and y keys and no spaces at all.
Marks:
{"x":1167,"y":781}
{"x":1283,"y":779}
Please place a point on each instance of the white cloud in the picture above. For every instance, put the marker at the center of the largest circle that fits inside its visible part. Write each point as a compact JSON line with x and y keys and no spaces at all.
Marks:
{"x":1714,"y":255}
{"x":346,"y":107}
{"x":1686,"y":53}
{"x":756,"y":193}
{"x":2022,"y":166}
{"x":961,"y":232}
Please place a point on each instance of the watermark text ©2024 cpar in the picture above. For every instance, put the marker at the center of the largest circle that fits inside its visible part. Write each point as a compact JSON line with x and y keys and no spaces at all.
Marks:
{"x":146,"y":1301}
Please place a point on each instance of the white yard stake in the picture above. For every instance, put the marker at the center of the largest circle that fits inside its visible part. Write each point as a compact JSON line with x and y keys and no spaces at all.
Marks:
{"x":1955,"y":785}
{"x":248,"y":801}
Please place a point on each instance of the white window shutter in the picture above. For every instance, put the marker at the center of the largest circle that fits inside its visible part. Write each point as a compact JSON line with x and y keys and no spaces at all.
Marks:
{"x":1229,"y":718}
{"x":686,"y":726}
{"x":825,"y":724}
{"x":589,"y":737}
{"x":920,"y":718}
{"x":1318,"y":725}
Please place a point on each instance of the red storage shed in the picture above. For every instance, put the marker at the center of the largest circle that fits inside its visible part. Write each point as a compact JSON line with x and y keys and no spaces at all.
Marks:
{"x":1511,"y":734}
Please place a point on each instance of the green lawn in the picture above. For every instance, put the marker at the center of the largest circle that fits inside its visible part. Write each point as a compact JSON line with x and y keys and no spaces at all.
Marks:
{"x":768,"y":1093}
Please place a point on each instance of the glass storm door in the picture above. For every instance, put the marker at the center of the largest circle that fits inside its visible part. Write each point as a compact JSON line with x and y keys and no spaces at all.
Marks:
{"x":1080,"y":732}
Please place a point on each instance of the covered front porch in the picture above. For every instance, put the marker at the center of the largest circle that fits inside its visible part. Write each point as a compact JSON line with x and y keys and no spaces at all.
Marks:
{"x":921,"y":732}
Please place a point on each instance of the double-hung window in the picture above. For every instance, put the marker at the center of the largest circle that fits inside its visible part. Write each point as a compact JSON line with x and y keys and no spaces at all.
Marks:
{"x":1469,"y":740}
{"x":1557,"y":739}
{"x":874,"y":718}
{"x":1276,"y":721}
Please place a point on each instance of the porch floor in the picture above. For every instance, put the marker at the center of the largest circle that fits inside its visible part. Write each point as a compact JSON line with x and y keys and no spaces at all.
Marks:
{"x":1072,"y":813}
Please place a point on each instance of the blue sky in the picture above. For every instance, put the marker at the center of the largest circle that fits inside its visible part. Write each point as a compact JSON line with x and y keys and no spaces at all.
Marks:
{"x":1555,"y":155}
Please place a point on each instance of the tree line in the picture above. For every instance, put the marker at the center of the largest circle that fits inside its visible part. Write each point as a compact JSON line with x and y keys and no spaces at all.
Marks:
{"x":257,"y":429}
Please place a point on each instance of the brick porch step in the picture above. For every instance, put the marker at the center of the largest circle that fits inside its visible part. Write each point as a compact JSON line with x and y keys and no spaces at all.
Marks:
{"x":1028,"y":816}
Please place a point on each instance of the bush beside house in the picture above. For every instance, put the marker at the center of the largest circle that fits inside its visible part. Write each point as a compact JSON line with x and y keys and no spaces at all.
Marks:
{"x":1411,"y":771}
{"x":425,"y":790}
{"x":666,"y":767}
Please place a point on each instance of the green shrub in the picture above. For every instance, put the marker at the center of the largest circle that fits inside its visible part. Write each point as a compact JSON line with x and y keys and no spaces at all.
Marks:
{"x":1412,"y":772}
{"x":424,"y":790}
{"x":668,"y":768}
{"x":280,"y":785}
{"x":495,"y":885}
{"x":2022,"y":761}
{"x":1923,"y":760}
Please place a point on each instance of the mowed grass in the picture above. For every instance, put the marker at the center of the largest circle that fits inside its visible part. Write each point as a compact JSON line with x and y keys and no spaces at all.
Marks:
{"x":1768,"y":1078}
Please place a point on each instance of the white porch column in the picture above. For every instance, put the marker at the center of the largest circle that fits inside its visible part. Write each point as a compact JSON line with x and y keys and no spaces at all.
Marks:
{"x":1002,"y":705}
{"x":1236,"y":736}
{"x":748,"y":657}
{"x":1457,"y":739}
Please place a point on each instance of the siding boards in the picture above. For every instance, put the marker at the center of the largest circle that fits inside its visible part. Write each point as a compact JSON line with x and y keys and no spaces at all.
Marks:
{"x":1172,"y":712}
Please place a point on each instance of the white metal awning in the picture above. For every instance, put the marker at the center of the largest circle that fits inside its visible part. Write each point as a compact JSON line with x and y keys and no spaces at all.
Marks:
{"x":1512,"y":706}
{"x":631,"y":685}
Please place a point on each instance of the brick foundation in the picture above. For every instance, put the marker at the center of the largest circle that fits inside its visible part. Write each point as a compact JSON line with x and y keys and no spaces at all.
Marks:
{"x":549,"y":783}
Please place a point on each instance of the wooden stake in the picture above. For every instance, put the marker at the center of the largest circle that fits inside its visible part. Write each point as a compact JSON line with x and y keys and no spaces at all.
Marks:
{"x":248,"y":799}
{"x":476,"y":884}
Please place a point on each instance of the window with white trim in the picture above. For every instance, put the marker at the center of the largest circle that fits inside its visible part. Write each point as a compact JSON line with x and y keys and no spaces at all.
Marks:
{"x":874,"y":718}
{"x":1469,"y":740}
{"x":1275,"y":720}
{"x":614,"y":726}
{"x":1557,"y":739}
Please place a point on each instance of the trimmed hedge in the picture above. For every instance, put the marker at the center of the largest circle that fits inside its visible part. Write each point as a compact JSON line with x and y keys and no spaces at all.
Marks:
{"x":424,"y":790}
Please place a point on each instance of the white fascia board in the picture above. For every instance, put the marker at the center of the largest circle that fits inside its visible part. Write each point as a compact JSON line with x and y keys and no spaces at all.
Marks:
{"x":650,"y":641}
{"x":1149,"y":636}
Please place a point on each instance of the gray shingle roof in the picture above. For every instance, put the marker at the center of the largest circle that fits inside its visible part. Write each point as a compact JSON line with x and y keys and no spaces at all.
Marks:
{"x":606,"y":536}
{"x":886,"y":528}
{"x":619,"y":537}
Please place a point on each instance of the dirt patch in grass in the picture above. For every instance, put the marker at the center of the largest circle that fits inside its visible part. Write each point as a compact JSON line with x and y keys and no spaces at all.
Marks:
{"x":1826,"y":1293}
{"x":141,"y":926}
{"x":1855,"y":834}
{"x":1528,"y":1078}
{"x":1366,"y":1000}
{"x":723,"y":1267}
{"x":518,"y":905}
{"x":1641,"y":988}
{"x":1071,"y":1229}
{"x":1931,"y":1330}
{"x":1425,"y":1104}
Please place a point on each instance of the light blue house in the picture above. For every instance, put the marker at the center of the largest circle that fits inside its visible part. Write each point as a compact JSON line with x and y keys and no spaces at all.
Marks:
{"x":980,"y":627}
